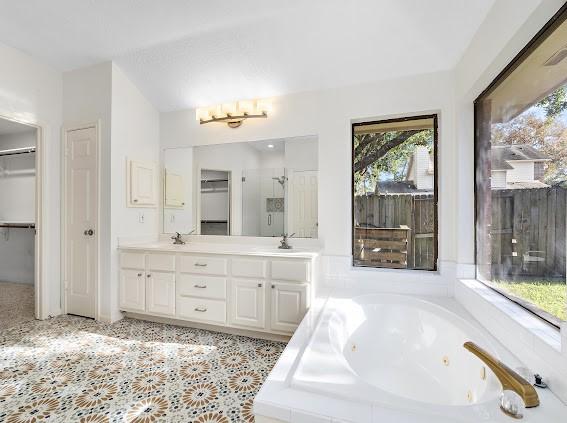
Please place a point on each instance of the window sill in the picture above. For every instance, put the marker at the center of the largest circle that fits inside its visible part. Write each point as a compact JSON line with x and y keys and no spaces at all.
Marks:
{"x":513,"y":316}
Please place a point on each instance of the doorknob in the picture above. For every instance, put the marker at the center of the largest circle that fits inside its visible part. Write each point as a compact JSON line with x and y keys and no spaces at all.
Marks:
{"x":89,"y":232}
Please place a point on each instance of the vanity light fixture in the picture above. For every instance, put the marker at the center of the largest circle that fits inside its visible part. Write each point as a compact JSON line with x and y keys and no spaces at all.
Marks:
{"x":233,"y":114}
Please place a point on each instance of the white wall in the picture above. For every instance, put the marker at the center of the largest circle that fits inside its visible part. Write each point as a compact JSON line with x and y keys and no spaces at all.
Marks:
{"x":17,"y":203}
{"x":31,"y":92}
{"x":302,"y":153}
{"x":329,"y":115}
{"x":521,"y":172}
{"x":498,"y":179}
{"x":134,"y":135}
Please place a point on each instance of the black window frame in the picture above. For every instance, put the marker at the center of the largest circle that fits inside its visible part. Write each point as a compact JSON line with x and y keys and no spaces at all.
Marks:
{"x":558,"y":18}
{"x":435,"y":118}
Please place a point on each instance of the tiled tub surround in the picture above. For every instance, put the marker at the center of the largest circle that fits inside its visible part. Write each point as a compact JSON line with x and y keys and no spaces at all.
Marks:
{"x":253,"y":289}
{"x":313,"y":380}
{"x":71,"y":369}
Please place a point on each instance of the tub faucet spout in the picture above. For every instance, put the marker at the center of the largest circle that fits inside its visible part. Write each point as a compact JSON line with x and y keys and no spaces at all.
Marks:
{"x":509,"y":379}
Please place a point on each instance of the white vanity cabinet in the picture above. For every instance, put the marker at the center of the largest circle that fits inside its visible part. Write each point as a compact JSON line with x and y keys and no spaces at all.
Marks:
{"x":147,"y":283}
{"x":247,"y":292}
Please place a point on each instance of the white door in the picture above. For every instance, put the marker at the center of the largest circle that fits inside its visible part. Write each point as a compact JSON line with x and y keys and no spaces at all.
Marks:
{"x":132,"y":290}
{"x":289,"y":305}
{"x":160,"y":293}
{"x":81,"y":216}
{"x":247,"y":303}
{"x":304,"y":207}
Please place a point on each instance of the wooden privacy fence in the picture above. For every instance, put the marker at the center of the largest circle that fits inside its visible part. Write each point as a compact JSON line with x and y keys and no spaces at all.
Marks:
{"x":414,"y":214}
{"x":528,"y":232}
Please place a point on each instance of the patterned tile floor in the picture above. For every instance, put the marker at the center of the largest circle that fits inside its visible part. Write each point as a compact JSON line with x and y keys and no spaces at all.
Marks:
{"x":70,"y":369}
{"x":16,"y":303}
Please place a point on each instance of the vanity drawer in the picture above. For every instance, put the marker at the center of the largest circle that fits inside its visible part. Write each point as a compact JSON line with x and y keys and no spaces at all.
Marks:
{"x":246,"y":268}
{"x":133,"y":260}
{"x":192,"y":308}
{"x":201,"y":286}
{"x":288,"y":270}
{"x":164,"y":262}
{"x":203,"y":265}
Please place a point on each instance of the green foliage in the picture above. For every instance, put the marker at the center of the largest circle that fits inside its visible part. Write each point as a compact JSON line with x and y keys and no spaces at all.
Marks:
{"x":394,"y":163}
{"x":555,"y":103}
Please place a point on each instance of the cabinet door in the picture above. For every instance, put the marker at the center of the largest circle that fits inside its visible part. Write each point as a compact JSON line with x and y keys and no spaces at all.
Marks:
{"x":160,"y":293}
{"x":246,"y":301}
{"x":132,"y":290}
{"x":142,"y":184}
{"x":289,"y":304}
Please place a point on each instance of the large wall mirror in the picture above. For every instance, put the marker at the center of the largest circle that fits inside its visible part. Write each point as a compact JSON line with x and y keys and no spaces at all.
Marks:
{"x":260,"y":188}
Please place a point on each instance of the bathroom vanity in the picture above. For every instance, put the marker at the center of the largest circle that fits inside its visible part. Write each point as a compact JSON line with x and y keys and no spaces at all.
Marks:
{"x":241,"y":287}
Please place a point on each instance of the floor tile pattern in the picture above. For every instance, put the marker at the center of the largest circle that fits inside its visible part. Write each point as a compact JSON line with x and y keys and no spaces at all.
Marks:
{"x":70,"y":369}
{"x":16,"y":303}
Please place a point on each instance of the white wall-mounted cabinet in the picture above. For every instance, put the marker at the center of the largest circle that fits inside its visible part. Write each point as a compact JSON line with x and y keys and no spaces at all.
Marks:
{"x":142,"y":184}
{"x":265,"y":294}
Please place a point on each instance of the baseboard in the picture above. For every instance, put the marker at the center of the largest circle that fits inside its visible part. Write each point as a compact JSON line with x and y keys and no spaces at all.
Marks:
{"x":213,"y":328}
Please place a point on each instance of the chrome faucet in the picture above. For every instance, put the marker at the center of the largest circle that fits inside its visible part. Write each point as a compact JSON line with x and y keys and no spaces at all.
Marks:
{"x":177,"y":238}
{"x":283,"y":243}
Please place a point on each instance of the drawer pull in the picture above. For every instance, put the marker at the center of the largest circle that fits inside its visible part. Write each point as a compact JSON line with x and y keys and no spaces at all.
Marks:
{"x":259,"y":285}
{"x":200,"y":310}
{"x":201,"y":264}
{"x":139,"y":274}
{"x":200,"y":286}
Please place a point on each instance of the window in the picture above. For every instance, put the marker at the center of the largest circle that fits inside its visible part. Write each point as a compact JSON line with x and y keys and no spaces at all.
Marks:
{"x":394,"y":186}
{"x":521,"y":176}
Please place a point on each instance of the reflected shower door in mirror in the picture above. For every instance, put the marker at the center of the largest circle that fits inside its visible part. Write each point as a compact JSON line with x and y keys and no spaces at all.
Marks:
{"x":259,"y":188}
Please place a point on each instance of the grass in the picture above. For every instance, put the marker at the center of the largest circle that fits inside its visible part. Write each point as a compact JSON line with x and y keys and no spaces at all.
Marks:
{"x":550,"y":296}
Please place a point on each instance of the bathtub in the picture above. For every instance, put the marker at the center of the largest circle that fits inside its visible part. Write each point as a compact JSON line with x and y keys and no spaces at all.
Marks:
{"x":383,"y":357}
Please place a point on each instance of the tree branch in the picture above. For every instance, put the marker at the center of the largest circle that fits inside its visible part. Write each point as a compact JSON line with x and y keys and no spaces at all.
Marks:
{"x":367,"y":160}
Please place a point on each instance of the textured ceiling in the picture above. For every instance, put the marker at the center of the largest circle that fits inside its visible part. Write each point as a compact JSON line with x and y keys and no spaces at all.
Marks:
{"x":185,"y":53}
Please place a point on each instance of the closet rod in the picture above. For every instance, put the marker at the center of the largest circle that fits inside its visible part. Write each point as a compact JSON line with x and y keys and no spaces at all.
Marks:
{"x":13,"y":151}
{"x":18,"y":225}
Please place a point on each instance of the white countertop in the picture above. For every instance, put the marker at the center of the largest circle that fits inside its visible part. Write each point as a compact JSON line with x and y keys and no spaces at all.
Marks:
{"x":222,"y":248}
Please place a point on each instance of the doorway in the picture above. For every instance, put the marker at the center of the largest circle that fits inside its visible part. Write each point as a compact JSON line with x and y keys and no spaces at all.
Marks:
{"x":81,"y":220}
{"x":20,"y":212}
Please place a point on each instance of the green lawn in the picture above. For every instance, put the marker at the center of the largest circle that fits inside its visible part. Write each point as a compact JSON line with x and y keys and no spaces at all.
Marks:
{"x":548,"y":295}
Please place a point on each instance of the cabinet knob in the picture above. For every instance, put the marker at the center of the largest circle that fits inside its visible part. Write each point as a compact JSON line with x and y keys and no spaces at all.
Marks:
{"x":135,"y":200}
{"x":149,"y":275}
{"x":259,"y":285}
{"x":139,"y":274}
{"x":273,"y":286}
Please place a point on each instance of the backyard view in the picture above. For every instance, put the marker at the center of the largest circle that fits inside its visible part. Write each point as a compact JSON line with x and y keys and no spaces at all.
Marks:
{"x":528,"y":182}
{"x":394,"y":193}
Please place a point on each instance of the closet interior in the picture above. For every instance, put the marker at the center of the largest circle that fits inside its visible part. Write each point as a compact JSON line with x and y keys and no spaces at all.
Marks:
{"x":17,"y":221}
{"x":215,"y":202}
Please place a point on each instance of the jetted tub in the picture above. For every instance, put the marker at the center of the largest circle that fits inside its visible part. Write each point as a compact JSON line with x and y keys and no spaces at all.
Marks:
{"x":401,"y":352}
